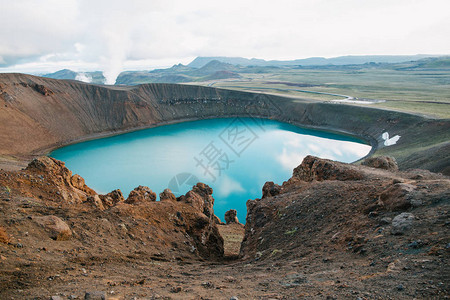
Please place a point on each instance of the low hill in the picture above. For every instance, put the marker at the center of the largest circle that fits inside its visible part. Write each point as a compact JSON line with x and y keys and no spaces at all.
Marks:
{"x":213,"y":67}
{"x":221,"y":75}
{"x":89,"y":77}
{"x":62,"y":74}
{"x":140,"y":77}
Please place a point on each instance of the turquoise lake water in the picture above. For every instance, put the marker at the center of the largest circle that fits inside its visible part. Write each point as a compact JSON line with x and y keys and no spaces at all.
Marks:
{"x":235,"y":156}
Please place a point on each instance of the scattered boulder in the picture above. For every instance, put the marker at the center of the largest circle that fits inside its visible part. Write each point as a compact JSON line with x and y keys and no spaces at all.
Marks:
{"x":57,"y":228}
{"x":270,"y":189}
{"x":397,"y":197}
{"x":95,"y":295}
{"x":176,"y":289}
{"x":402,"y":223}
{"x":381,"y":162}
{"x":141,"y":194}
{"x":208,"y":285}
{"x":229,"y":279}
{"x":112,"y":198}
{"x":314,"y":168}
{"x":167,"y":195}
{"x":231,"y":217}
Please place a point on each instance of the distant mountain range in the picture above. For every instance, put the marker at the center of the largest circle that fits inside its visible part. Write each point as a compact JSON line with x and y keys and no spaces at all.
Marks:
{"x":312,"y":61}
{"x":212,"y":70}
{"x":217,"y":68}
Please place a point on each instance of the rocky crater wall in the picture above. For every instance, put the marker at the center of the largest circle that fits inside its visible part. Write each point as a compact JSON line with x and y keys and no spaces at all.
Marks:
{"x":39,"y":114}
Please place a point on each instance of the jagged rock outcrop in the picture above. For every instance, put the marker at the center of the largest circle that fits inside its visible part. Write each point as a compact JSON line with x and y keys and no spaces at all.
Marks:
{"x":345,"y":208}
{"x":201,"y":198}
{"x":270,"y":189}
{"x":70,"y":187}
{"x":187,"y":223}
{"x":314,"y":168}
{"x":204,"y":230}
{"x":51,"y":166}
{"x":167,"y":195}
{"x":141,"y":194}
{"x":231,"y":217}
{"x":112,"y":198}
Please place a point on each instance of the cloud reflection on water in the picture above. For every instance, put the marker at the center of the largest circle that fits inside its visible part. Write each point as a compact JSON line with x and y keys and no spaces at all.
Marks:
{"x":295,"y":148}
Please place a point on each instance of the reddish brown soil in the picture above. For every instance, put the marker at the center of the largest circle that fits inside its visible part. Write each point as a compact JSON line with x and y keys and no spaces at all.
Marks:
{"x":232,"y":234}
{"x":323,"y":234}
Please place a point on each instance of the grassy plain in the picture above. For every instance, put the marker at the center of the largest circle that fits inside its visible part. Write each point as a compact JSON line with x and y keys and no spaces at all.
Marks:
{"x":423,"y":91}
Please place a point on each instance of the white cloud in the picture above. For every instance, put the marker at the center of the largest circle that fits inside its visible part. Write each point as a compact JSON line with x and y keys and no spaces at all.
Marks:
{"x":290,"y":159}
{"x":115,"y":35}
{"x":227,"y":186}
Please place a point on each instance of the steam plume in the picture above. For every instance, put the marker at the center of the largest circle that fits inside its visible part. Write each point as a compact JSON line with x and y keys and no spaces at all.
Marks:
{"x":83,"y":77}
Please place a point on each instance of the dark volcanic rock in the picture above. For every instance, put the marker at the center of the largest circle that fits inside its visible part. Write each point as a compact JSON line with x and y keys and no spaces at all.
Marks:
{"x":42,"y":89}
{"x":231,"y":216}
{"x":402,"y":223}
{"x":381,"y":162}
{"x":270,"y":189}
{"x":314,"y":238}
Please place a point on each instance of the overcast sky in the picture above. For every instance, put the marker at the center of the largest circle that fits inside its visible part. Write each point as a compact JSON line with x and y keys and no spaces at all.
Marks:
{"x":48,"y":35}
